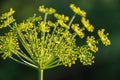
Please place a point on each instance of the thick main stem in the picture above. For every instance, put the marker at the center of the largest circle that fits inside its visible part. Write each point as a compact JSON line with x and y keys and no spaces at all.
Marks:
{"x":40,"y":75}
{"x":42,"y":49}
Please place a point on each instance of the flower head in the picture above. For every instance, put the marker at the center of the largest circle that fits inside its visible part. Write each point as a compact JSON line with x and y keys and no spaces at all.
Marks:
{"x":77,"y":10}
{"x":104,"y":37}
{"x":86,"y":57}
{"x":61,"y":17}
{"x":24,"y":26}
{"x":91,"y":42}
{"x":78,"y":30}
{"x":8,"y":14}
{"x":46,"y":10}
{"x":62,"y":24}
{"x":8,"y":43}
{"x":7,"y":18}
{"x":43,"y":27}
{"x":87,"y":25}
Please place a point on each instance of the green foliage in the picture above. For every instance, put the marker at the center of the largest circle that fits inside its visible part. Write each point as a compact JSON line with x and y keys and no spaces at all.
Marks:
{"x":48,"y":43}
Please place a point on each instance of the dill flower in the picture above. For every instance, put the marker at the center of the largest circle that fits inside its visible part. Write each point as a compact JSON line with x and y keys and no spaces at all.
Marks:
{"x":77,"y":10}
{"x":87,"y":25}
{"x":51,"y":24}
{"x":79,"y":31}
{"x":104,"y":37}
{"x":61,"y":17}
{"x":91,"y":42}
{"x":66,"y":33}
{"x":6,"y":22}
{"x":8,"y":14}
{"x":63,"y":24}
{"x":47,"y":44}
{"x":46,"y":10}
{"x":68,"y":55}
{"x":24,"y":26}
{"x":43,"y":27}
{"x":8,"y":43}
{"x":7,"y":18}
{"x":34,"y":18}
{"x":86,"y":57}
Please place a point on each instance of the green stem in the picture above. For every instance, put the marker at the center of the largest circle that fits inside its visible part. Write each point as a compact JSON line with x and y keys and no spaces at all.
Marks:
{"x":40,"y":74}
{"x":72,"y":19}
{"x":25,"y":63}
{"x":45,"y":17}
{"x":43,"y":37}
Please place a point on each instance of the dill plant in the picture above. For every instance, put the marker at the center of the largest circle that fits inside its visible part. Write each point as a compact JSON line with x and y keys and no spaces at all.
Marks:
{"x":48,"y":44}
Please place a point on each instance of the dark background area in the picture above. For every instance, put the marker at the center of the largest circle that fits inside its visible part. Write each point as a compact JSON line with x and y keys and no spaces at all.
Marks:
{"x":102,"y":13}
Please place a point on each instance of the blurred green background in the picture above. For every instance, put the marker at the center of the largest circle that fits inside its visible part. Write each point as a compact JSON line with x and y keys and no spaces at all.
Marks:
{"x":102,"y":13}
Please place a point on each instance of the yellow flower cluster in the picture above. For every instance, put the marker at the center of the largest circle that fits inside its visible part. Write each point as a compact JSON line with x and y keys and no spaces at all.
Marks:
{"x":77,"y":10}
{"x":7,"y":18}
{"x":63,"y":24}
{"x":85,"y":56}
{"x":67,"y":56}
{"x":87,"y":25}
{"x":104,"y":37}
{"x":84,"y":21}
{"x":61,"y":17}
{"x":8,"y":14}
{"x":34,"y":18}
{"x":91,"y":42}
{"x":43,"y":27}
{"x":79,"y":31}
{"x":51,"y":24}
{"x":66,"y":34}
{"x":24,"y":26}
{"x":49,"y":43}
{"x":8,"y":43}
{"x":46,"y":10}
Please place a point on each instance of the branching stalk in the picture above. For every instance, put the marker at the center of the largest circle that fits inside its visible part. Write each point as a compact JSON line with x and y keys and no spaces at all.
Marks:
{"x":72,"y":19}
